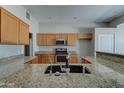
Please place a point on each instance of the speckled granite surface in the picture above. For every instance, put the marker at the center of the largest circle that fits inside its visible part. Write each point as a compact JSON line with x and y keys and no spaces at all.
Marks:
{"x":13,"y":64}
{"x":32,"y":75}
{"x":119,"y":58}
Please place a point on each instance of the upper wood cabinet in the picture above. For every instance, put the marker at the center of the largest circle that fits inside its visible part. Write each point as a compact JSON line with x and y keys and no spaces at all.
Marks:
{"x":72,"y":39}
{"x":58,"y":36}
{"x":50,"y":39}
{"x":12,"y":29}
{"x":23,"y":33}
{"x":9,"y":28}
{"x":85,"y":36}
{"x":41,"y":39}
{"x":61,"y":36}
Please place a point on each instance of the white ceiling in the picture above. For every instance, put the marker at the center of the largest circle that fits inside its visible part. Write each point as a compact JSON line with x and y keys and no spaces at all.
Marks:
{"x":70,"y":14}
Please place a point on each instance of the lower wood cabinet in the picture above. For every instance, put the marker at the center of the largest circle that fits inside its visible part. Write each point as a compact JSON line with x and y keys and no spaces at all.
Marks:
{"x":46,"y":58}
{"x":84,"y":61}
{"x":33,"y":61}
{"x":73,"y":59}
{"x":50,"y":58}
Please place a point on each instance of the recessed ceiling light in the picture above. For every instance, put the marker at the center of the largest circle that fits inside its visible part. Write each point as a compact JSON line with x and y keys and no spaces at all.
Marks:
{"x":49,"y":17}
{"x":74,"y":17}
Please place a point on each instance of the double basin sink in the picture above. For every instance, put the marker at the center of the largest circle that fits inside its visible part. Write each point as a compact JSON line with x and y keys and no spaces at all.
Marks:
{"x":73,"y":69}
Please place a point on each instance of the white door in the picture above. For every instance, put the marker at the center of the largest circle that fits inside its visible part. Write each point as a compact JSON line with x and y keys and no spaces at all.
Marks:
{"x":119,"y":43}
{"x":106,"y":43}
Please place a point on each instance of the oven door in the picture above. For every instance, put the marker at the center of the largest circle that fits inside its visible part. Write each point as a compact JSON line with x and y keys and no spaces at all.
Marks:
{"x":61,"y":58}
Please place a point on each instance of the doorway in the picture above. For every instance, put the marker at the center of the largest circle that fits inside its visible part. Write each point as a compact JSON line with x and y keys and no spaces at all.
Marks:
{"x":28,"y":49}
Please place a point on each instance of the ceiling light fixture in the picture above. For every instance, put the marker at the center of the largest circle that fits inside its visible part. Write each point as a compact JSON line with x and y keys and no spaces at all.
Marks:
{"x":74,"y":17}
{"x":49,"y":17}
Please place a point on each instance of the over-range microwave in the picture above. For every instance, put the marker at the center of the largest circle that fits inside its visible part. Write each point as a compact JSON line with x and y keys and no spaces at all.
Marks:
{"x":61,"y":42}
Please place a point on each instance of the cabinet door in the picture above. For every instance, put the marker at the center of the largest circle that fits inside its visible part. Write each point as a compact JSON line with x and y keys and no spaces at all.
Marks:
{"x":72,"y":39}
{"x":119,"y":43}
{"x":35,"y":61}
{"x":85,"y":36}
{"x":58,"y":36}
{"x":84,"y":61}
{"x":24,"y":33}
{"x":44,"y":59}
{"x":39,"y":59}
{"x":41,"y":39}
{"x":9,"y":28}
{"x":106,"y":43}
{"x":50,"y":59}
{"x":50,"y":39}
{"x":73,"y":59}
{"x":63,"y":36}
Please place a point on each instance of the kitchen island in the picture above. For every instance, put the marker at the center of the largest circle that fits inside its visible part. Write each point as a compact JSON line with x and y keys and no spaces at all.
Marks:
{"x":102,"y":75}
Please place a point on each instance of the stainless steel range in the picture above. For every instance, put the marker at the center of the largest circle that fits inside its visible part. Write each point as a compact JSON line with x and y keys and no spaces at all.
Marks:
{"x":61,"y":54}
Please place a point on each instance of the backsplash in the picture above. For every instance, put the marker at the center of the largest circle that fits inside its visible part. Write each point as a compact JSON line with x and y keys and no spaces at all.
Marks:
{"x":11,"y":50}
{"x":51,"y":48}
{"x":113,"y":57}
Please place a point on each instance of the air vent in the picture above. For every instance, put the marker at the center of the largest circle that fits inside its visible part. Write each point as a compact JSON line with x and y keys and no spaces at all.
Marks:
{"x":27,"y":15}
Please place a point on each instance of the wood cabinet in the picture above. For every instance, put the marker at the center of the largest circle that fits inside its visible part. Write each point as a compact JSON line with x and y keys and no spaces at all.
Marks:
{"x":23,"y":33}
{"x":61,"y":36}
{"x":33,"y":61}
{"x":12,"y":29}
{"x":84,"y":61}
{"x":85,"y":36}
{"x":50,"y":58}
{"x":9,"y":27}
{"x":73,"y":59}
{"x":46,"y":58}
{"x":50,"y":39}
{"x":72,"y":39}
{"x":58,"y":36}
{"x":41,"y":39}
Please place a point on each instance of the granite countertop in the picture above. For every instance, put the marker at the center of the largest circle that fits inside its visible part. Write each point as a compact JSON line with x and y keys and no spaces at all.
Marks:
{"x":18,"y":58}
{"x":52,"y":52}
{"x":13,"y":64}
{"x":102,"y":75}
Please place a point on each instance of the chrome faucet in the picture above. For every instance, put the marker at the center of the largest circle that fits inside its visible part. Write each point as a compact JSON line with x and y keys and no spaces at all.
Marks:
{"x":67,"y":69}
{"x":67,"y":60}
